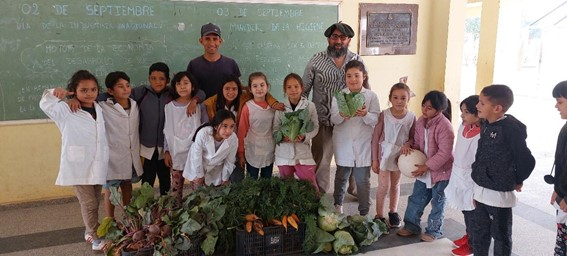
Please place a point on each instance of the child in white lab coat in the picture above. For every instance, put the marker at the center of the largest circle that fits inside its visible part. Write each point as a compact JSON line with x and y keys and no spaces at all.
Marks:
{"x":122,"y":123}
{"x":352,"y":137}
{"x":84,"y":149}
{"x":213,"y":153}
{"x":179,"y":128}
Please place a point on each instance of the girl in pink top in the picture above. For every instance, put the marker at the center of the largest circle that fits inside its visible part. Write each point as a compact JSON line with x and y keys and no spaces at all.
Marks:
{"x":434,"y":137}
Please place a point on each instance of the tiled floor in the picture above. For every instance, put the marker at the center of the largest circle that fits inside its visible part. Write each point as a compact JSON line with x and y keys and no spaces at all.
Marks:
{"x":55,"y":228}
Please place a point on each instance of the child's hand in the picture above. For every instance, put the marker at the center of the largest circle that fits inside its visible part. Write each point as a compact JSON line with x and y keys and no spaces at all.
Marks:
{"x":242,"y":162}
{"x":518,"y":187}
{"x":167,"y":159}
{"x":553,"y":197}
{"x":300,"y":138}
{"x":192,"y":107}
{"x":286,"y":139}
{"x":405,"y":150}
{"x":362,"y":112}
{"x":61,"y":93}
{"x":563,"y":205}
{"x":278,"y":106}
{"x":344,"y":116}
{"x":421,"y":169}
{"x":376,"y":167}
{"x":74,"y":105}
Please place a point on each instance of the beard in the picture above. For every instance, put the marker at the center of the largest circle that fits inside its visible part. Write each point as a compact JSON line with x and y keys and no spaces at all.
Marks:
{"x":337,"y":53}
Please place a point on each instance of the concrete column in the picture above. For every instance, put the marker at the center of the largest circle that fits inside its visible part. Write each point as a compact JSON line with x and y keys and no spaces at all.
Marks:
{"x":487,"y":43}
{"x":446,"y":48}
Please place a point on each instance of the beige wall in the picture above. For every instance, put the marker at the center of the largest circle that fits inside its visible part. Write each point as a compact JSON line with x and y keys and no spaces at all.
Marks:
{"x":30,"y":160}
{"x":30,"y":153}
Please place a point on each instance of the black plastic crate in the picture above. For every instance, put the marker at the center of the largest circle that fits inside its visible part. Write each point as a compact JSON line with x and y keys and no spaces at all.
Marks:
{"x":293,"y":239}
{"x":275,"y":241}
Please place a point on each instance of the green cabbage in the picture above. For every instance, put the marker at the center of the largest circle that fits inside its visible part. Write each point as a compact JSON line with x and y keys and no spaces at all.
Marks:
{"x":344,"y":243}
{"x":294,"y":124}
{"x":349,"y":103}
{"x":364,"y":230}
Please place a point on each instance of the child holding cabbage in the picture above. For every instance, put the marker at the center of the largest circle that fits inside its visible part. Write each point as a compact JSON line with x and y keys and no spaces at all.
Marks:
{"x":293,"y":130}
{"x":354,"y":124}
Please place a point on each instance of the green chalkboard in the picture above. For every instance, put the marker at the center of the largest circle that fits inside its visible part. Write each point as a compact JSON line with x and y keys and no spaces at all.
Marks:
{"x":43,"y":42}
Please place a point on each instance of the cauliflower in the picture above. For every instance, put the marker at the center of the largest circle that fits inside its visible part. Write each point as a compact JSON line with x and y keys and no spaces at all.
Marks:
{"x":329,"y":222}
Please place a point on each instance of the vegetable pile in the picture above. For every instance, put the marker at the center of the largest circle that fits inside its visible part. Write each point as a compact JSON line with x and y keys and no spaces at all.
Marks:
{"x":349,"y":103}
{"x":332,"y":231}
{"x":268,"y":199}
{"x":294,"y":124}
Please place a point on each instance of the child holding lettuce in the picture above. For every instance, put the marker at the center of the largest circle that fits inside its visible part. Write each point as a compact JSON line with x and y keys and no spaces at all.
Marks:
{"x":293,"y":130}
{"x":354,"y":112}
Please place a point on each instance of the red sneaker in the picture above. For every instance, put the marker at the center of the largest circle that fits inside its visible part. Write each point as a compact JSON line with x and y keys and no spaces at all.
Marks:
{"x":464,"y":250}
{"x":461,"y":241}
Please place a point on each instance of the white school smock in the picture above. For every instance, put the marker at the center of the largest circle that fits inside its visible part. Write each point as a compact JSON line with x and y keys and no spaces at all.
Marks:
{"x":204,"y":161}
{"x":259,"y":143}
{"x":123,"y":134}
{"x":459,"y":191}
{"x":426,"y":177}
{"x":84,"y":149}
{"x":292,"y":153}
{"x":178,"y":131}
{"x":396,"y":133}
{"x":352,"y":138}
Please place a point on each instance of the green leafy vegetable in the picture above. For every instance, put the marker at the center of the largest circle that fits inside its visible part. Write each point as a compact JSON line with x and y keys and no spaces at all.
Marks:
{"x":294,"y":124}
{"x":344,"y":243}
{"x":364,"y":230}
{"x":349,"y":103}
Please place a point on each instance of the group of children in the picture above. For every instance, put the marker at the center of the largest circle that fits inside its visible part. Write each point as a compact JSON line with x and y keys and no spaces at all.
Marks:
{"x":232,"y":131}
{"x":478,"y":175}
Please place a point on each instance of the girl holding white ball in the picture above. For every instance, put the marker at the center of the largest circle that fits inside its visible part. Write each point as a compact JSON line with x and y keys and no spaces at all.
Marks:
{"x":433,"y":136}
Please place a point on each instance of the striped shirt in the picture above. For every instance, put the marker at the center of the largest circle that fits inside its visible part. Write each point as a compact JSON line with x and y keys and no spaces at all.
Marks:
{"x":325,"y":78}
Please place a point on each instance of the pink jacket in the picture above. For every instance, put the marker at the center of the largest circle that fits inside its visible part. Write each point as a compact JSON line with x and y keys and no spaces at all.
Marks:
{"x":439,"y":145}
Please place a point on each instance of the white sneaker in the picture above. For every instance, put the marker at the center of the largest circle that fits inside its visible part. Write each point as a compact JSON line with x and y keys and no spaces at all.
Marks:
{"x":339,"y":208}
{"x":99,"y":244}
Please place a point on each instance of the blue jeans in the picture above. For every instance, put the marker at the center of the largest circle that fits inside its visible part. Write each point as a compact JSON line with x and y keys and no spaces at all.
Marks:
{"x":265,"y":172}
{"x":362,"y":178}
{"x":419,"y":199}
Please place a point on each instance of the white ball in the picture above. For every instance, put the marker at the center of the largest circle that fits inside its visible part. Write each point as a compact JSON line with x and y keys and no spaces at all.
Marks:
{"x":407,"y":163}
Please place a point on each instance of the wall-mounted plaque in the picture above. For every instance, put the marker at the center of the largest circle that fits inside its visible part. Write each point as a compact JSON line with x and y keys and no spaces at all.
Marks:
{"x":388,"y":29}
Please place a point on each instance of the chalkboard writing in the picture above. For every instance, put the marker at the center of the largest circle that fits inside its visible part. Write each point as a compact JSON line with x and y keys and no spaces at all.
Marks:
{"x":43,"y":42}
{"x":388,"y":28}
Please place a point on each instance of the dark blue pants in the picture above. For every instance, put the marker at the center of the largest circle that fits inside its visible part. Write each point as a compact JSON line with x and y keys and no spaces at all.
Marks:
{"x":153,"y":167}
{"x":492,"y":222}
{"x":265,"y":172}
{"x":469,"y":222}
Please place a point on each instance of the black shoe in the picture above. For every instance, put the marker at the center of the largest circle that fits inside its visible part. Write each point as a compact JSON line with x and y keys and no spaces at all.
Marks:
{"x":383,"y":220}
{"x":394,"y":219}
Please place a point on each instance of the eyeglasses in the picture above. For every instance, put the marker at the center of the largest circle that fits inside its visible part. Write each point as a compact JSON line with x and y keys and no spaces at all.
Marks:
{"x":335,"y":37}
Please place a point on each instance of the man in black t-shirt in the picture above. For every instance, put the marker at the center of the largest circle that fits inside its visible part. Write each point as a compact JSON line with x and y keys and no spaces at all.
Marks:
{"x":211,"y":67}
